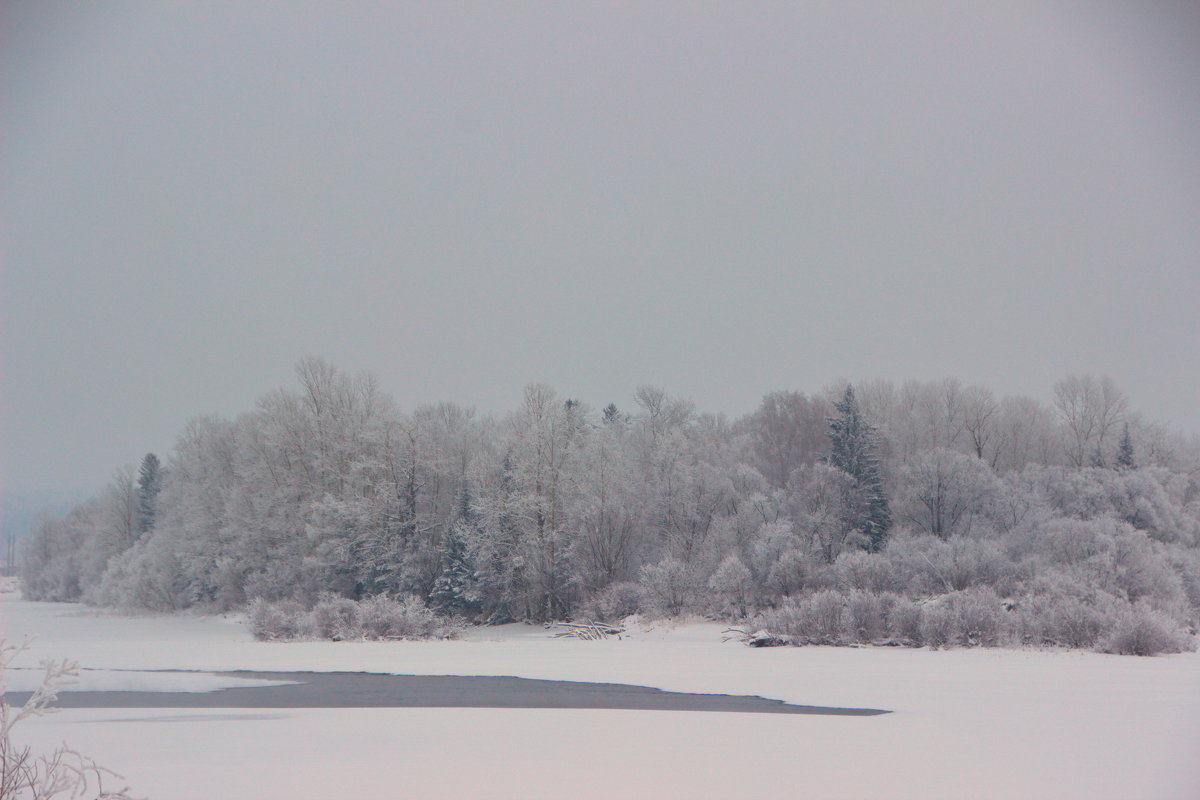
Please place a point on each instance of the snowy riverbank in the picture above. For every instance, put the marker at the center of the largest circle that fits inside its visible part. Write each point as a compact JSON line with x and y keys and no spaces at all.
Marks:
{"x":978,"y":723}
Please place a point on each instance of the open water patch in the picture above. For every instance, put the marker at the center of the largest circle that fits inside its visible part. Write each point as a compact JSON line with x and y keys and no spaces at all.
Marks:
{"x":284,"y":690}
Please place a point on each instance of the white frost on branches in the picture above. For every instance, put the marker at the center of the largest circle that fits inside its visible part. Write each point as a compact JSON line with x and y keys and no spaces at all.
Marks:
{"x":63,"y":773}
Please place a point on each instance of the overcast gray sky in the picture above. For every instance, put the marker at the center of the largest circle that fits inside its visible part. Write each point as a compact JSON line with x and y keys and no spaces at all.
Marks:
{"x":720,"y":199}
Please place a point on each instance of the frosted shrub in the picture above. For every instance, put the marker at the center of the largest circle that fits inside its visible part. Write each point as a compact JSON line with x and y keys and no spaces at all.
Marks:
{"x":904,"y":622}
{"x":981,"y":618}
{"x":1150,"y":499}
{"x":819,"y":618}
{"x":939,"y":624}
{"x":730,"y":585}
{"x":384,"y":618}
{"x":1060,"y":620}
{"x":1074,"y":541}
{"x":614,"y":602}
{"x":668,"y":587}
{"x":281,"y":621}
{"x":906,"y":563}
{"x":338,"y":618}
{"x":822,"y":576}
{"x":115,"y":589}
{"x":782,"y":621}
{"x":789,"y":574}
{"x":335,"y":618}
{"x":1139,"y":570}
{"x":972,"y":618}
{"x":869,"y":572}
{"x":971,"y":562}
{"x":1123,"y":562}
{"x":927,"y":564}
{"x":824,"y":617}
{"x":276,"y":581}
{"x":866,"y":616}
{"x":146,"y":576}
{"x":1059,"y":582}
{"x":1142,"y":631}
{"x":50,"y":557}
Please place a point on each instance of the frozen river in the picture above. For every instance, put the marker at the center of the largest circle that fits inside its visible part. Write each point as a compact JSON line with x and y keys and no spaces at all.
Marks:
{"x":988,"y":724}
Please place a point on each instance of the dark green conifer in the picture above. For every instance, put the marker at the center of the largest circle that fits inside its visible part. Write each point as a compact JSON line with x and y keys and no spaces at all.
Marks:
{"x":149,"y":484}
{"x":855,"y":452}
{"x":456,"y":589}
{"x":1125,"y":458}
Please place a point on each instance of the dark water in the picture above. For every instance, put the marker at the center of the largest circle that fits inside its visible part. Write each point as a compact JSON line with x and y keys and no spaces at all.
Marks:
{"x":370,"y":690}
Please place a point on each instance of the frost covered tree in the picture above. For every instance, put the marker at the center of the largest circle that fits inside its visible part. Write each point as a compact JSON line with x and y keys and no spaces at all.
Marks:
{"x":826,"y":506}
{"x":123,"y":506}
{"x":940,"y":412}
{"x":50,"y":556}
{"x":943,"y":492}
{"x":980,"y":409}
{"x":191,"y":555}
{"x":544,"y":433}
{"x":917,"y":415}
{"x":65,"y":559}
{"x":854,"y":450}
{"x":1026,"y":432}
{"x":668,"y":587}
{"x":495,"y":542}
{"x":605,"y":509}
{"x":787,"y":431}
{"x":1090,"y":408}
{"x":731,"y":583}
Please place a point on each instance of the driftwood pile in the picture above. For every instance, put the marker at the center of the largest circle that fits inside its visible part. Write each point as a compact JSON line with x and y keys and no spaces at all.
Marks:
{"x":588,"y":631}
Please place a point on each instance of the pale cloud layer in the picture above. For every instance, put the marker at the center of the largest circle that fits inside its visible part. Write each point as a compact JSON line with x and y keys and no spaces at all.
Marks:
{"x":719,"y":200}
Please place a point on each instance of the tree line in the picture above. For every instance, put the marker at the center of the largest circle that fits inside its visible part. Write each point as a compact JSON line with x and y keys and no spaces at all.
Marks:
{"x":554,"y":511}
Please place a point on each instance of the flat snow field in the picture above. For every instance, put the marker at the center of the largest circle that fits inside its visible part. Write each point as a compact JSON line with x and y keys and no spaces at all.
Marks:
{"x":966,"y":723}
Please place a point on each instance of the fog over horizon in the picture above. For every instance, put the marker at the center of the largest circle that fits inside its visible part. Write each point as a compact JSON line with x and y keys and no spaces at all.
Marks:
{"x":721,"y":201}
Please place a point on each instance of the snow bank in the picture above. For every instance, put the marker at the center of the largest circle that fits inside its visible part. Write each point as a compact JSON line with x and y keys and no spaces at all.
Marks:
{"x":968,"y":723}
{"x":107,"y":680}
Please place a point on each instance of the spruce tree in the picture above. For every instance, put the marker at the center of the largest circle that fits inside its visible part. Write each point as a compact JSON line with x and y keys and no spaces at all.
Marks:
{"x":451,"y":593}
{"x":854,"y":451}
{"x":149,"y":483}
{"x":1125,"y":458}
{"x":456,"y":588}
{"x":611,"y":415}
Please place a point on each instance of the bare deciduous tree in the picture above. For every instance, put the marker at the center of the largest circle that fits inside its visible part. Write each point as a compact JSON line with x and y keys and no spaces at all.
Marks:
{"x":788,"y":431}
{"x":1091,"y":408}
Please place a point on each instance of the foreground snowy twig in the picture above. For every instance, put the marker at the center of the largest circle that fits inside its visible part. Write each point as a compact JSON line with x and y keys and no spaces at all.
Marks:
{"x":64,"y":773}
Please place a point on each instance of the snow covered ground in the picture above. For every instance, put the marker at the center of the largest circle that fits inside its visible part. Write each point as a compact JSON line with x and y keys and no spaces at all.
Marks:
{"x":967,"y":723}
